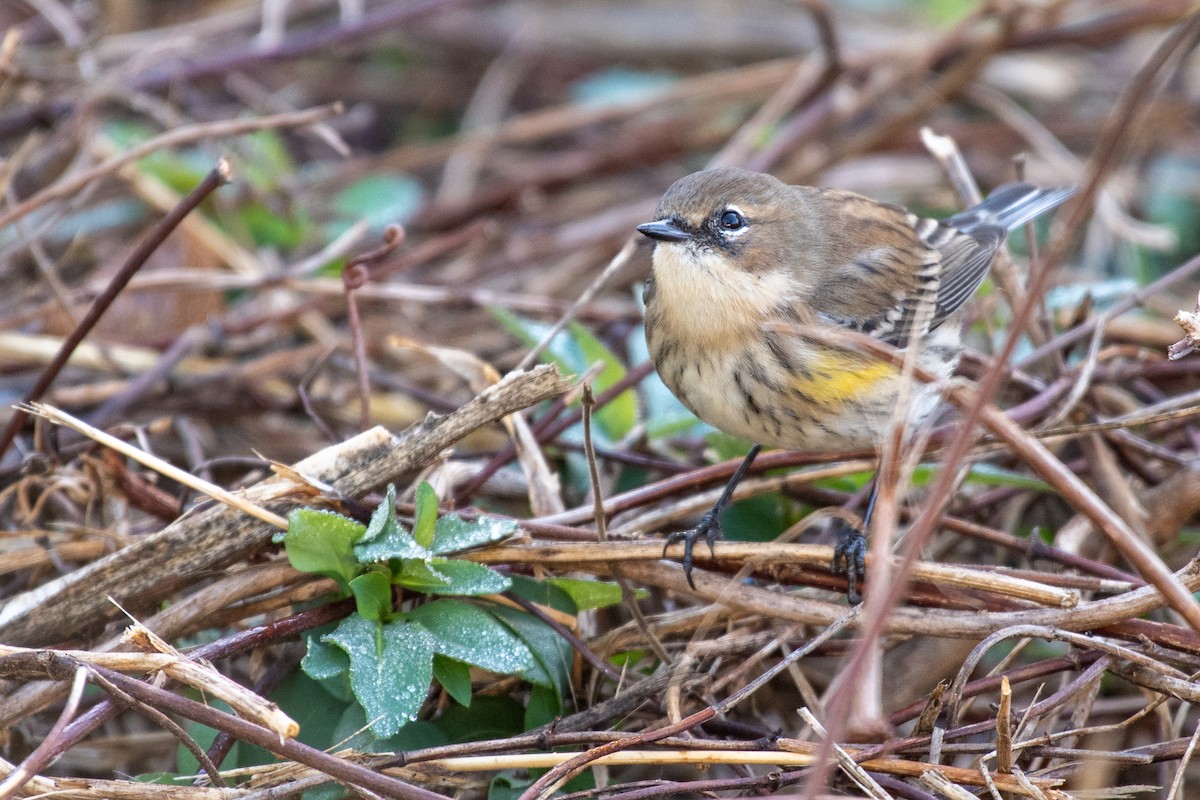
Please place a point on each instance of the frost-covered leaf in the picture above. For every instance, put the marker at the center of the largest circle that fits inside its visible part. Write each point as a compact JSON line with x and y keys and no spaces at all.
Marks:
{"x":391,"y":666}
{"x":453,"y":534}
{"x":420,"y":576}
{"x":551,"y":652}
{"x":351,"y":733}
{"x":466,"y":632}
{"x":321,"y":542}
{"x":467,"y":577}
{"x":321,"y":660}
{"x":386,"y":538}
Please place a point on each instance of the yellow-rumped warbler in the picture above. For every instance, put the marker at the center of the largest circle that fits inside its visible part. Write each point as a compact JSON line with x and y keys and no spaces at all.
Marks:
{"x":743,"y":263}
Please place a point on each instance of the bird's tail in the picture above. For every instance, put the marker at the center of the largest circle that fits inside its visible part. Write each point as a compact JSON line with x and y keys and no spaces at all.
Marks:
{"x":1010,"y":206}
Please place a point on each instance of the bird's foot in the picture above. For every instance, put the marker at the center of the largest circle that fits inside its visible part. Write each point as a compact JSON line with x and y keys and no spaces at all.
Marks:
{"x":709,"y":529}
{"x":849,"y":557}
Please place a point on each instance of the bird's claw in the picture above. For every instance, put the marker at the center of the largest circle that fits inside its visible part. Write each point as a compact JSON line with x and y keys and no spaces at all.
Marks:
{"x":709,"y":529}
{"x":849,"y":557}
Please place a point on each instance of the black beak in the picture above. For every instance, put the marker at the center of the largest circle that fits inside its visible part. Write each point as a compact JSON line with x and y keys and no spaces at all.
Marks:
{"x":663,"y":230}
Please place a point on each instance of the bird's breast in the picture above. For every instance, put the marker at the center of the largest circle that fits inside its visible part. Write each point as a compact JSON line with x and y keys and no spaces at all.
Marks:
{"x":701,"y":297}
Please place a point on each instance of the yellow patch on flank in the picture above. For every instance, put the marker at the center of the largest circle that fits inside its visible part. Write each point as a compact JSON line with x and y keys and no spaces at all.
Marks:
{"x":837,"y":378}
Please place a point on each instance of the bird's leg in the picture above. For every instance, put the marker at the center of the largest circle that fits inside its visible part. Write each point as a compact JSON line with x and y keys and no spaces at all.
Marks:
{"x":710,"y":524}
{"x":850,"y":548}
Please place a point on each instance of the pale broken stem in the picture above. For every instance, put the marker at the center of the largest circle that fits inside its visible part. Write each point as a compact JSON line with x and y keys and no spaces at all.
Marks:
{"x":945,"y":150}
{"x":164,"y":468}
{"x":1190,"y":322}
{"x":1004,"y":734}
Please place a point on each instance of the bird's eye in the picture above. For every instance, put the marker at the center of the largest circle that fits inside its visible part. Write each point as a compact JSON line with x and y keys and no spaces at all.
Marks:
{"x":732,"y":221}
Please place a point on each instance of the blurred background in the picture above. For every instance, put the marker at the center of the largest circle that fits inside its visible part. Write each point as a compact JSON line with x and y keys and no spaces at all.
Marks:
{"x":518,"y":144}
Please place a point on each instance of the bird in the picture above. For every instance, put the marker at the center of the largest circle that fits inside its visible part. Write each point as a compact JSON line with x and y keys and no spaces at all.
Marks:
{"x":743,"y":264}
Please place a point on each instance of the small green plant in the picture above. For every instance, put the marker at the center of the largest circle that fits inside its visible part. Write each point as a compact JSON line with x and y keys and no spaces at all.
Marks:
{"x":388,"y":655}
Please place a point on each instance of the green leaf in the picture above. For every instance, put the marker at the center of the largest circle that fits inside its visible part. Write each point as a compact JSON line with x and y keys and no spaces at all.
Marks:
{"x":383,"y":518}
{"x":628,"y":659}
{"x":266,"y":160}
{"x":574,"y":351}
{"x":181,"y":170}
{"x":315,"y":710}
{"x":268,"y":228}
{"x":420,"y":576}
{"x":726,"y":447}
{"x":757,"y":519}
{"x":327,"y":791}
{"x":947,"y":12}
{"x":992,"y":475}
{"x":386,"y":538}
{"x":543,"y":593}
{"x":543,"y":707}
{"x":425,"y":516}
{"x":509,"y":786}
{"x":466,"y":632}
{"x":453,"y":534}
{"x":391,"y":666}
{"x":321,"y":542}
{"x":552,"y":653}
{"x":322,"y":661}
{"x":467,"y":577}
{"x":454,"y":676}
{"x":589,"y":594}
{"x":489,"y":717}
{"x":372,"y":595}
{"x":352,"y":732}
{"x":618,"y":416}
{"x":381,"y":200}
{"x":614,"y":86}
{"x":525,"y":331}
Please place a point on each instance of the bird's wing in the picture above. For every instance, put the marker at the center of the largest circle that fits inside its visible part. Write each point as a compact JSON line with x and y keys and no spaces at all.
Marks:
{"x":890,"y":273}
